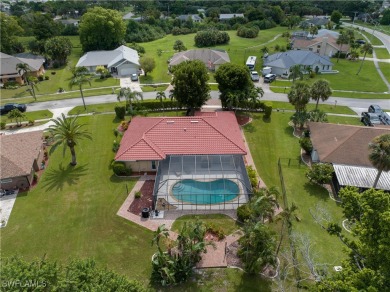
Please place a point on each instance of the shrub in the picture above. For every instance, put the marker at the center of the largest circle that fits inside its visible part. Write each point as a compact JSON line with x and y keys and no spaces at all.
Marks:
{"x":120,"y":112}
{"x":138,"y":48}
{"x":211,"y":37}
{"x":2,"y":125}
{"x":124,"y":125}
{"x":120,"y":169}
{"x":217,"y":231}
{"x":31,"y":122}
{"x":115,"y":146}
{"x":244,"y":213}
{"x":137,"y":194}
{"x":306,"y":144}
{"x":40,"y":78}
{"x":267,"y":109}
{"x":312,"y":74}
{"x":320,"y":173}
{"x":252,"y":176}
{"x":47,"y":78}
{"x":11,"y":85}
{"x":35,"y":177}
{"x":248,"y":32}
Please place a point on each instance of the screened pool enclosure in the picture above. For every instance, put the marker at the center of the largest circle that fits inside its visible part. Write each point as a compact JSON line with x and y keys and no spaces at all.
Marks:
{"x":201,"y":182}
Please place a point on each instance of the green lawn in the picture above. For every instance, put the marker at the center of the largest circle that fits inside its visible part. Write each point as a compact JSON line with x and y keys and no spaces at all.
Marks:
{"x":269,"y":140}
{"x":72,"y":211}
{"x":382,"y":53}
{"x":149,"y":88}
{"x":324,"y":107}
{"x":38,"y":115}
{"x":227,"y":224}
{"x":385,"y":68}
{"x":382,"y":28}
{"x":373,"y":39}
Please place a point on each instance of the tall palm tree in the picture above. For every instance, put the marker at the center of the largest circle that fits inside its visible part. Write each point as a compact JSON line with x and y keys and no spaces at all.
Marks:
{"x":129,"y":96}
{"x":265,"y":203}
{"x":67,"y":132}
{"x":341,"y":40}
{"x":161,"y":231}
{"x":296,"y":72}
{"x":299,"y":96}
{"x":80,"y":80}
{"x":32,"y":83}
{"x":320,"y":90}
{"x":22,"y":69}
{"x":160,"y":96}
{"x":380,"y":155}
{"x":367,"y":48}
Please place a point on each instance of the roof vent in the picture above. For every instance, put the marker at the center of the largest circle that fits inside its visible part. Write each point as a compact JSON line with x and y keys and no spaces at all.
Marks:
{"x":194,"y":122}
{"x":185,"y":129}
{"x":170,"y":122}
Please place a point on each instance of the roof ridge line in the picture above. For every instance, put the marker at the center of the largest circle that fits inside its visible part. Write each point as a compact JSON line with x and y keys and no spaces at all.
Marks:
{"x":223,"y":134}
{"x":153,"y":146}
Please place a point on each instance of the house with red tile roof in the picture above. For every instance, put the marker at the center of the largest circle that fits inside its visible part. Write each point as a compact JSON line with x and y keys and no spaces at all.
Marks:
{"x":21,"y":156}
{"x":206,"y":151}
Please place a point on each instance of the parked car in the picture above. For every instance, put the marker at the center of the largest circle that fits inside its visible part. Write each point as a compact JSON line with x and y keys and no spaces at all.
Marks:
{"x":361,"y":42}
{"x":134,"y":77}
{"x":269,"y":78}
{"x":370,"y":119}
{"x":10,"y":106}
{"x":255,"y":76}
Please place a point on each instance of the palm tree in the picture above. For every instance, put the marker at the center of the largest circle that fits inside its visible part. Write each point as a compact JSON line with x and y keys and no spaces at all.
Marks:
{"x":299,"y":96}
{"x":380,"y":155}
{"x":160,"y":96}
{"x":233,"y":100}
{"x":22,"y":69}
{"x":67,"y":132}
{"x":129,"y":96}
{"x":32,"y":82}
{"x":313,"y":30}
{"x":341,"y":40}
{"x":80,"y":80}
{"x":296,"y":72}
{"x":320,"y":90}
{"x":367,"y":48}
{"x":265,"y":202}
{"x":161,"y":231}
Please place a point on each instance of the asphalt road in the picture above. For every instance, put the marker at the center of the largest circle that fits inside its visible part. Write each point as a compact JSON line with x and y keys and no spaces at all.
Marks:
{"x":358,"y":105}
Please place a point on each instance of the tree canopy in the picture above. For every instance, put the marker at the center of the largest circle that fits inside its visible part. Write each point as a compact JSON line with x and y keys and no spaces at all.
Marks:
{"x":380,"y":155}
{"x":58,"y":49}
{"x":9,"y":30}
{"x":190,"y":85}
{"x":101,"y":29}
{"x":299,"y":96}
{"x":147,"y":64}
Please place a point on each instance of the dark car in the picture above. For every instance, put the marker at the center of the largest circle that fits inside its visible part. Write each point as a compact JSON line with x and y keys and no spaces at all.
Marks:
{"x":370,"y":119}
{"x":269,"y":78}
{"x":361,"y":42}
{"x":11,"y":106}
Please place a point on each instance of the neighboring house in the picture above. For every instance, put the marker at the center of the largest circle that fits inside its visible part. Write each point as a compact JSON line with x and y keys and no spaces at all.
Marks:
{"x":121,"y":62}
{"x":211,"y":58}
{"x":21,"y":157}
{"x":325,"y":45}
{"x":324,"y":32}
{"x":228,"y":16}
{"x":202,"y":148}
{"x":299,"y":34}
{"x":8,"y":71}
{"x":282,"y":62}
{"x":346,"y":148}
{"x":74,"y":22}
{"x":316,"y":21}
{"x":194,"y":17}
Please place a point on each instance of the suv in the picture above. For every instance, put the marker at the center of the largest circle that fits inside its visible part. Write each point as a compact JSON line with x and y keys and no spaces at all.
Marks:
{"x":255,"y":76}
{"x":11,"y":106}
{"x":269,"y":78}
{"x":370,"y":119}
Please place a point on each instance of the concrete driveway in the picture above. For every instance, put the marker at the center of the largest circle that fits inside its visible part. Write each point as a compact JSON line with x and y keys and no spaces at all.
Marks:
{"x":133,"y":85}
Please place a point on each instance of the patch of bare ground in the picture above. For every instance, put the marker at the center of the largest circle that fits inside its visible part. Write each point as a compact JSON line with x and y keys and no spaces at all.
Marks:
{"x":232,"y":258}
{"x":146,"y":199}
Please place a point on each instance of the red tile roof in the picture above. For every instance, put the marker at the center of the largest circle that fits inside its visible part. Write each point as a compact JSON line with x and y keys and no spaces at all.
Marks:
{"x":154,"y":138}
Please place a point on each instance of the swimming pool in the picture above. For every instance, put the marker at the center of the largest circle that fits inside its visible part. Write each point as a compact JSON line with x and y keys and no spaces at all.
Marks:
{"x":205,"y":192}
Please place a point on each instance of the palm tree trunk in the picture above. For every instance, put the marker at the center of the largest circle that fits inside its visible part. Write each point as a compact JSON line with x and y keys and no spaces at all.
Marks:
{"x":82,"y":97}
{"x":318,"y":100}
{"x":73,"y":153}
{"x":33,"y":91}
{"x":361,"y":65}
{"x":377,"y":178}
{"x":338,"y":55}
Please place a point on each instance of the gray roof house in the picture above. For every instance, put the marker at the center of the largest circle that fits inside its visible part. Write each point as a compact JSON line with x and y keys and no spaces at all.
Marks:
{"x":227,"y":16}
{"x":8,"y":64}
{"x":194,"y":17}
{"x":121,"y":62}
{"x":211,"y":58}
{"x":317,"y":21}
{"x":282,"y":62}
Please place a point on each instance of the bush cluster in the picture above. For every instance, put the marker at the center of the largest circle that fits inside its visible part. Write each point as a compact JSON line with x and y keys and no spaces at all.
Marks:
{"x":141,"y":32}
{"x":244,"y":213}
{"x":217,"y":231}
{"x":120,"y":169}
{"x":182,"y":30}
{"x":120,"y":112}
{"x":320,"y":173}
{"x":138,"y":48}
{"x":211,"y":37}
{"x":11,"y":85}
{"x":252,"y":176}
{"x":267,"y":109}
{"x":306,"y":144}
{"x":248,"y":32}
{"x":156,"y":105}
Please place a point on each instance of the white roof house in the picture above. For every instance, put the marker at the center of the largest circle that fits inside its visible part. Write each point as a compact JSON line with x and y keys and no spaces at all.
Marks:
{"x":211,"y":58}
{"x":122,"y":61}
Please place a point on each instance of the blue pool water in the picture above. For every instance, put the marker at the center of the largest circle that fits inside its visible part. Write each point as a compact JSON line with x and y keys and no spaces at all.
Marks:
{"x":210,"y":192}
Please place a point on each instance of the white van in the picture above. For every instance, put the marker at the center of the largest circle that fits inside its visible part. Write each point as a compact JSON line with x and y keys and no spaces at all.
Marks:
{"x":251,"y":62}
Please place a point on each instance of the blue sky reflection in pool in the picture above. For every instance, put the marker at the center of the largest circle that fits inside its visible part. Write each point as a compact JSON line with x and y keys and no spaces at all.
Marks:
{"x":209,"y":192}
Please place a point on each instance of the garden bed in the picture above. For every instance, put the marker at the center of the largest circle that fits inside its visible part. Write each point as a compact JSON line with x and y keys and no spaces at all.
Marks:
{"x":146,"y":199}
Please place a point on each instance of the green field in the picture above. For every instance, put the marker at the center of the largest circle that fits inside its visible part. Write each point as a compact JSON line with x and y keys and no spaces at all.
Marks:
{"x":324,"y":107}
{"x":30,"y":116}
{"x":373,"y":39}
{"x":382,"y":53}
{"x":385,"y":68}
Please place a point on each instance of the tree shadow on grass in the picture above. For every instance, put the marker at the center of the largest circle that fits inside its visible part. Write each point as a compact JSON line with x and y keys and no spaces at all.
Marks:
{"x":64,"y":175}
{"x":317,"y":191}
{"x":250,"y":128}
